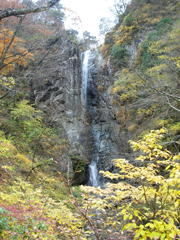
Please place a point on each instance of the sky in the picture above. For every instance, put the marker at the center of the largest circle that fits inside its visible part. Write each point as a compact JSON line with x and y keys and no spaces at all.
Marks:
{"x":90,"y":12}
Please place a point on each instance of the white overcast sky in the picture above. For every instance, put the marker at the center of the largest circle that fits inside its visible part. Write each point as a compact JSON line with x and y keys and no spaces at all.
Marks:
{"x":90,"y":12}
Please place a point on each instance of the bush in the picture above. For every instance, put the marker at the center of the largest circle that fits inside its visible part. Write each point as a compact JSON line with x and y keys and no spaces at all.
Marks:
{"x":128,"y":20}
{"x":119,"y":53}
{"x":149,"y":60}
{"x":144,"y":204}
{"x":4,"y":223}
{"x":164,"y":25}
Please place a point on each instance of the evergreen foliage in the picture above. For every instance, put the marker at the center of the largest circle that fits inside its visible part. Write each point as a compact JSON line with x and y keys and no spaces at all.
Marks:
{"x":119,"y":53}
{"x":128,"y":20}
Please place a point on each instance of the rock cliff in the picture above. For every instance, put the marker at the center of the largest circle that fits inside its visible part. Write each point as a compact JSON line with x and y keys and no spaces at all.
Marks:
{"x":57,"y":90}
{"x":93,"y":129}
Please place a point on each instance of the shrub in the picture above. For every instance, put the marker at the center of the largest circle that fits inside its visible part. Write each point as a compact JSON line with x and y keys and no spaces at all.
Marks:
{"x":164,"y":25}
{"x":119,"y":53}
{"x":132,"y":128}
{"x":149,"y":59}
{"x":27,"y":213}
{"x":128,"y":20}
{"x":100,"y":88}
{"x":144,"y":204}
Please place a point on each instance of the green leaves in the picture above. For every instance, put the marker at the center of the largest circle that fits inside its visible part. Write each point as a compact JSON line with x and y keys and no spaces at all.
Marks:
{"x":119,"y":53}
{"x":35,"y":215}
{"x":24,"y":112}
{"x":164,"y":25}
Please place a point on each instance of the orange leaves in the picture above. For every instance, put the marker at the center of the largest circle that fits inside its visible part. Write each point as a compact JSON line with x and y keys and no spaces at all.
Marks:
{"x":10,"y":4}
{"x":105,"y":49}
{"x":11,"y":51}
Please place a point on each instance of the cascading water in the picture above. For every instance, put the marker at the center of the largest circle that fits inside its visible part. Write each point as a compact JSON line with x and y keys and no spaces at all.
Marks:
{"x":90,"y":100}
{"x":85,"y":57}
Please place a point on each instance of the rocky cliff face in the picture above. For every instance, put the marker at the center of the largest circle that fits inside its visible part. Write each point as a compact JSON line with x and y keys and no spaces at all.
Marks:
{"x":106,"y":140}
{"x":106,"y":124}
{"x":100,"y":129}
{"x":57,"y":90}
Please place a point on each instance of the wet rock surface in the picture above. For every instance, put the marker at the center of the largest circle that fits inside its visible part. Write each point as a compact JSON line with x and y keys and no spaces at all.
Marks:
{"x":105,"y":134}
{"x":57,"y":90}
{"x":92,"y":130}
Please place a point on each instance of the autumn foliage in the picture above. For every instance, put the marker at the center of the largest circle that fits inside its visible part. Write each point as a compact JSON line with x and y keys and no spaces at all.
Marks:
{"x":16,"y":53}
{"x":144,"y":203}
{"x":11,"y":4}
{"x":141,"y":197}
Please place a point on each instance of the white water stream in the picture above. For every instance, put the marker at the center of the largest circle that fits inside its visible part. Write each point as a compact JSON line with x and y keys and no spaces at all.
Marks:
{"x":86,"y":78}
{"x":85,"y":57}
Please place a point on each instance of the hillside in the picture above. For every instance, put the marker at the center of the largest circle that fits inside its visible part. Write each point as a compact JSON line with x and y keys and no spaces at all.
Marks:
{"x":143,"y":50}
{"x":48,"y":137}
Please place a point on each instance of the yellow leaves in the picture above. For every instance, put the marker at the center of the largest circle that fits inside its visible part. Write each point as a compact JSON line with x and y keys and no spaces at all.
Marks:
{"x":176,"y":157}
{"x":176,"y":204}
{"x":164,"y":48}
{"x":144,"y":113}
{"x":125,"y":70}
{"x":148,"y":202}
{"x":105,"y":49}
{"x":128,"y":85}
{"x":24,"y":162}
{"x":56,"y":219}
{"x":149,"y":143}
{"x":174,"y":127}
{"x":125,"y":32}
{"x":125,"y":217}
{"x":157,"y":69}
{"x":178,"y":63}
{"x":16,"y":52}
{"x":9,"y":82}
{"x":7,"y":167}
{"x":118,"y":89}
{"x":156,"y":230}
{"x":110,"y":175}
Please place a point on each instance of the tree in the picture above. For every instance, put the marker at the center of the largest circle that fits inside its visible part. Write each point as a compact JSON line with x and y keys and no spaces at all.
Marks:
{"x":56,"y":14}
{"x":144,"y":203}
{"x":12,"y":50}
{"x":119,"y":6}
{"x":73,"y":35}
{"x":105,"y":25}
{"x":19,"y":12}
{"x":53,"y":17}
{"x":88,"y":40}
{"x":161,"y":62}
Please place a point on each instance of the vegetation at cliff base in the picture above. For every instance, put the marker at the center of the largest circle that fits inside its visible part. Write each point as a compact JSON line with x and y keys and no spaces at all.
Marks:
{"x":144,"y":203}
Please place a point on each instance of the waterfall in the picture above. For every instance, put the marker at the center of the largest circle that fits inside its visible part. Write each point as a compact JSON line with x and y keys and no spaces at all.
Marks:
{"x":90,"y":100}
{"x":85,"y":57}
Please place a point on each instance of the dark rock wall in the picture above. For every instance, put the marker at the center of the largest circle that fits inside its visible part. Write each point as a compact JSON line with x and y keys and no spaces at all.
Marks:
{"x":109,"y":144}
{"x":56,"y":89}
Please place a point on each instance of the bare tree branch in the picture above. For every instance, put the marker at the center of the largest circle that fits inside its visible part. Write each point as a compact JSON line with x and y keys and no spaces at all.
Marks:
{"x":25,"y":77}
{"x":12,"y":39}
{"x":18,"y":12}
{"x":163,"y":93}
{"x":172,"y":105}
